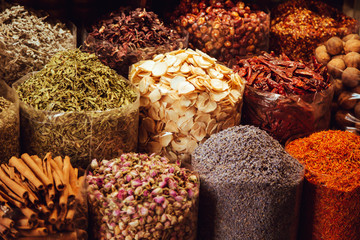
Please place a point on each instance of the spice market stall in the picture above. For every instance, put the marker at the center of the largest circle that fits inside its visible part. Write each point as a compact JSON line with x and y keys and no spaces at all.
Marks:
{"x":139,"y":108}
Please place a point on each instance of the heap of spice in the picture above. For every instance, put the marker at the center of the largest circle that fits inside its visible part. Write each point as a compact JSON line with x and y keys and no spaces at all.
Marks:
{"x":126,"y":37}
{"x":27,"y":42}
{"x":42,"y":198}
{"x":285,"y":97}
{"x":342,"y":58}
{"x":78,"y":107}
{"x":140,"y":196}
{"x":330,"y":206}
{"x":224,"y":29}
{"x":299,"y":26}
{"x":9,"y":129}
{"x":250,"y":187}
{"x":185,"y":97}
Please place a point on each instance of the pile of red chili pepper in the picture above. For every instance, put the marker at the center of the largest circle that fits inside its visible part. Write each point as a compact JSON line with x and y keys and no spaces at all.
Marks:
{"x":281,"y":75}
{"x":331,"y":197}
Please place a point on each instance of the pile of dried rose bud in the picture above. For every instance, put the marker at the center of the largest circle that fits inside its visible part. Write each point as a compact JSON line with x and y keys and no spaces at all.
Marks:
{"x":140,"y":196}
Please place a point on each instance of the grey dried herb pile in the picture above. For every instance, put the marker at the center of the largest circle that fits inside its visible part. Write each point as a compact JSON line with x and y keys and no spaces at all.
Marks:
{"x":79,"y":107}
{"x":250,"y":187}
{"x":27,"y":42}
{"x":9,"y":129}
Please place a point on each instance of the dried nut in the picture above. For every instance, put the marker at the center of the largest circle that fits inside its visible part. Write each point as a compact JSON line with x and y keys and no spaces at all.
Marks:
{"x":352,"y":45}
{"x":334,"y":45}
{"x":183,"y":107}
{"x":350,"y":77}
{"x":351,"y":36}
{"x":352,"y":59}
{"x":323,"y":57}
{"x":347,"y":101}
{"x":336,"y":67}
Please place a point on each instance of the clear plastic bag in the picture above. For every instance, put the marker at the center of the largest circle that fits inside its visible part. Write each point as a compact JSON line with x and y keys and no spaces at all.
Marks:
{"x":286,"y":116}
{"x":9,"y":124}
{"x":82,"y":136}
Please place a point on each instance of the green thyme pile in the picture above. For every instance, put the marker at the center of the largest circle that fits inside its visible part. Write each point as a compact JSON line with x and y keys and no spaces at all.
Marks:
{"x":78,"y":107}
{"x":76,"y":81}
{"x":27,"y":42}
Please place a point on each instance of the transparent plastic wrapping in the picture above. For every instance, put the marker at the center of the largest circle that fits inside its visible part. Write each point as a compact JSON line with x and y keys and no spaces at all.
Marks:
{"x":330,"y":202}
{"x":9,"y":124}
{"x":299,"y":26}
{"x":286,"y":116}
{"x":343,"y":62}
{"x":35,"y":38}
{"x":250,"y":187}
{"x":159,"y":203}
{"x":224,"y":30}
{"x":42,"y":214}
{"x":82,"y":136}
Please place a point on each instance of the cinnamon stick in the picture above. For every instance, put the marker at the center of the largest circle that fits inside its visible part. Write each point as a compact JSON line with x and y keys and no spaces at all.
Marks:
{"x":38,"y":172}
{"x":37,"y":160}
{"x":53,"y":216}
{"x":56,"y":169}
{"x":58,"y":183}
{"x":37,"y":232}
{"x":14,"y":186}
{"x":7,"y":222}
{"x":70,"y":215}
{"x":66,"y":171}
{"x":24,"y":223}
{"x":30,"y":214}
{"x":26,"y":171}
{"x":4,"y":230}
{"x":63,"y":199}
{"x":59,"y":162}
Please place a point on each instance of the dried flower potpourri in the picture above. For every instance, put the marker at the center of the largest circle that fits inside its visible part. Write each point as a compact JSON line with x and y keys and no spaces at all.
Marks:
{"x":250,"y":187}
{"x":27,"y":42}
{"x":42,"y":199}
{"x":330,"y":207}
{"x":224,"y":29}
{"x":78,"y":107}
{"x":284,"y":97}
{"x":299,"y":26}
{"x":185,"y":97}
{"x":126,"y":37}
{"x":9,"y":123}
{"x":140,"y":196}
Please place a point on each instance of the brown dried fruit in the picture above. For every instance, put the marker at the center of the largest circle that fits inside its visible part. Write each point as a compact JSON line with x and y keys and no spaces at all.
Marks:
{"x":334,"y":46}
{"x":351,"y":36}
{"x":352,"y":45}
{"x":352,"y":59}
{"x":357,"y":110}
{"x":321,"y":55}
{"x":336,"y":67}
{"x":346,"y":100}
{"x":341,"y":121}
{"x":351,"y":77}
{"x":338,"y":87}
{"x":338,"y":57}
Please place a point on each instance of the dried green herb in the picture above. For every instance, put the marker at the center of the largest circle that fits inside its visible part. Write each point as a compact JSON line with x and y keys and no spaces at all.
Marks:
{"x":77,"y":106}
{"x":9,"y":123}
{"x":27,"y":42}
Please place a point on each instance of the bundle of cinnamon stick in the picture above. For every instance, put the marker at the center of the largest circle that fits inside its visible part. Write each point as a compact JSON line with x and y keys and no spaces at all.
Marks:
{"x":39,"y":197}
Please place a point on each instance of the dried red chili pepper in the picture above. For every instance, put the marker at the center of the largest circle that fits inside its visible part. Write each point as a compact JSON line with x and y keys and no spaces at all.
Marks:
{"x":283,"y":97}
{"x":125,"y":37}
{"x":331,"y":199}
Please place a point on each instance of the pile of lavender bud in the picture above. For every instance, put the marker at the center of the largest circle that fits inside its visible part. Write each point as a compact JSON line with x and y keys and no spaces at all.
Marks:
{"x":27,"y":42}
{"x":140,"y":196}
{"x":250,"y":187}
